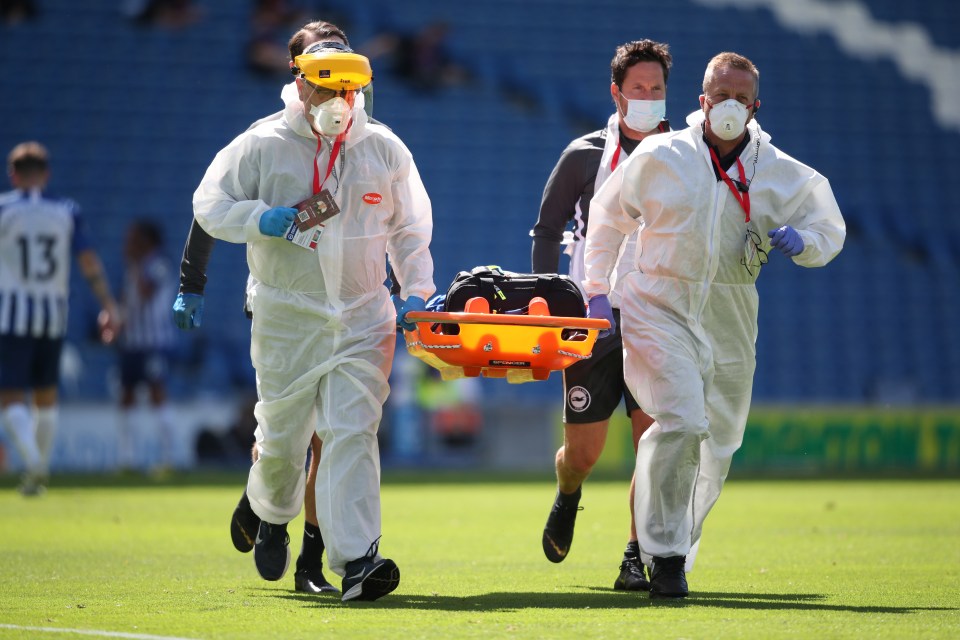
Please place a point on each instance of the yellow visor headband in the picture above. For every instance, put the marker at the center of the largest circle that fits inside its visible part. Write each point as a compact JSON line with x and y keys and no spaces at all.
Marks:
{"x":335,"y":69}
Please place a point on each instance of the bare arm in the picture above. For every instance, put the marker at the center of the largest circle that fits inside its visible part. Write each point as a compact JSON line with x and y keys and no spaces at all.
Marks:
{"x":92,"y":269}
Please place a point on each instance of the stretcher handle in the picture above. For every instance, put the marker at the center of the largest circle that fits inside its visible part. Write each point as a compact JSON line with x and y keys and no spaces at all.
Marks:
{"x":561,"y":322}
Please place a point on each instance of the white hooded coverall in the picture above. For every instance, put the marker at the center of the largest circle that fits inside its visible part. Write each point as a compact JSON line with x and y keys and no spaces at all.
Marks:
{"x":689,"y":310}
{"x":323,"y":331}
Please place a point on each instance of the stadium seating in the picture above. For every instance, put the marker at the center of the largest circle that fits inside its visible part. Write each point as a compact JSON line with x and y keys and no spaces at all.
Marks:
{"x":134,"y":115}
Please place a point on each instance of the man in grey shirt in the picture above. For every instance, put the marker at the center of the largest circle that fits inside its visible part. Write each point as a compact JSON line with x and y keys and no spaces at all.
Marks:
{"x":593,"y":388}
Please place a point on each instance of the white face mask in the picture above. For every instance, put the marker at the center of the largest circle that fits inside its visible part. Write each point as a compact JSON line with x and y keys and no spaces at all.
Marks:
{"x":727,"y":119}
{"x":644,"y":115}
{"x":331,"y":117}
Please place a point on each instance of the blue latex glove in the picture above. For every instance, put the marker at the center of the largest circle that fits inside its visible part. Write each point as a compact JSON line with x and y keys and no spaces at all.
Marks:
{"x":599,"y":307}
{"x":188,"y":310}
{"x":413,"y":303}
{"x":275,"y":222}
{"x":787,"y":240}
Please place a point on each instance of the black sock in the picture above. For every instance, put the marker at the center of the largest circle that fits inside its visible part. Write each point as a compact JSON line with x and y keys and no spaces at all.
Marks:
{"x":569,"y":499}
{"x":632,"y":551}
{"x":311,"y":551}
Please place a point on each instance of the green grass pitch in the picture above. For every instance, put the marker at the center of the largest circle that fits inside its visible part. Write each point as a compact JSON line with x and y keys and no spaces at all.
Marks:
{"x":779,"y":559}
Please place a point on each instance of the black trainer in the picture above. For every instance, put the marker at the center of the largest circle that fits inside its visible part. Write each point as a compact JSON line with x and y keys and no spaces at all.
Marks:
{"x":271,"y":552}
{"x":33,"y":485}
{"x":369,"y":579}
{"x":631,"y":576}
{"x":312,"y":581}
{"x":244,"y":525}
{"x":668,"y":579}
{"x":558,"y":534}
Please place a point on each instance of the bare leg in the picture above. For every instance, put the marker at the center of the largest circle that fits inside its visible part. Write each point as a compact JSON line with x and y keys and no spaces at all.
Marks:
{"x":310,"y":495}
{"x":640,"y":422}
{"x":632,"y":574}
{"x":582,"y":445}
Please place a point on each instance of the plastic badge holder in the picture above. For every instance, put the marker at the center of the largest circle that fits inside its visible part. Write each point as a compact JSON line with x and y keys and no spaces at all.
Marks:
{"x":520,"y":348}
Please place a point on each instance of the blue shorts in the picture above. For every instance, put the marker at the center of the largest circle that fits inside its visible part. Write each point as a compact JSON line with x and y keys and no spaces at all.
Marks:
{"x":593,"y":388}
{"x":29,"y":363}
{"x":148,"y":366}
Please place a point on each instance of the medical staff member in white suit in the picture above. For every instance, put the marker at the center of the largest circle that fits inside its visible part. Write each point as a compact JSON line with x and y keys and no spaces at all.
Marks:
{"x":323,"y":331}
{"x":710,"y":201}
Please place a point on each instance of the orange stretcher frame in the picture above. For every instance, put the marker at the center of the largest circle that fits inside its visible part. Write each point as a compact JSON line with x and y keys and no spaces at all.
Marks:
{"x":519,"y":348}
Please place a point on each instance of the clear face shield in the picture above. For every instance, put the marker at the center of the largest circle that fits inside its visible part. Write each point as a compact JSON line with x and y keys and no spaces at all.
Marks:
{"x":332,"y":79}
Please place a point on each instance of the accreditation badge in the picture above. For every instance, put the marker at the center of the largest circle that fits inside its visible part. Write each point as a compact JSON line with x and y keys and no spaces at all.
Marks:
{"x":315,"y":210}
{"x":307,"y":227}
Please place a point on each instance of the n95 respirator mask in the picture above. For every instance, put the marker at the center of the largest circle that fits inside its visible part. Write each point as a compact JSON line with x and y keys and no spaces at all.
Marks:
{"x":331,"y":118}
{"x":727,"y":119}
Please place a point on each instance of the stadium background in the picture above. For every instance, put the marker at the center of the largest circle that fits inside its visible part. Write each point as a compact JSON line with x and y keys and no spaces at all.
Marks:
{"x":867,"y":92}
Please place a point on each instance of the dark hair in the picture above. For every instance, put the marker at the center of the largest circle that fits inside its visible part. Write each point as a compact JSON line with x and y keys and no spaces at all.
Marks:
{"x":28,"y":158}
{"x":149,"y":231}
{"x":631,"y":53}
{"x":321,"y":29}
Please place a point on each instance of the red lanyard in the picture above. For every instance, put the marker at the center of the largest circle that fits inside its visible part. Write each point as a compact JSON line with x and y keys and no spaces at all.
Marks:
{"x":744,"y":197}
{"x":317,"y":185}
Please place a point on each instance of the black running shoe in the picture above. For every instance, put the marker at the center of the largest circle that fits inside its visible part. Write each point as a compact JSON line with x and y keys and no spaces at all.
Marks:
{"x":244,"y":525}
{"x":312,"y":581}
{"x":558,"y":534}
{"x":631,"y":576}
{"x":369,"y":579}
{"x":668,"y":579}
{"x":271,"y":552}
{"x":33,"y":485}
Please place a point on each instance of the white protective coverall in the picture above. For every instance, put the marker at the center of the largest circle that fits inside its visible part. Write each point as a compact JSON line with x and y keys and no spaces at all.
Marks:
{"x":323,"y":332}
{"x":689,"y":310}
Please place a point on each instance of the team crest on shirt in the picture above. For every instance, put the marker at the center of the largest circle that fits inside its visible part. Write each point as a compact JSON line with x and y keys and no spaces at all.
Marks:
{"x":578,"y":399}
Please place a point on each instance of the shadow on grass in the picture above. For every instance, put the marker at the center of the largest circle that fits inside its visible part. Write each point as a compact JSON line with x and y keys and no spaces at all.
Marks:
{"x":597,"y":598}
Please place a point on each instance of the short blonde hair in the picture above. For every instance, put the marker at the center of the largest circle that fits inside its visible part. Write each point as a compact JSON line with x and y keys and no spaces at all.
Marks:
{"x":734,"y":61}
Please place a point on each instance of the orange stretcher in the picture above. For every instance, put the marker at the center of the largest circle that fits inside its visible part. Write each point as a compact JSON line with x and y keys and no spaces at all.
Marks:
{"x":520,"y":348}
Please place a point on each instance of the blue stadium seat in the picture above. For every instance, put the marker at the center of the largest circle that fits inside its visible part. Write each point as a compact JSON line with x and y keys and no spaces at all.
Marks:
{"x":140,"y":113}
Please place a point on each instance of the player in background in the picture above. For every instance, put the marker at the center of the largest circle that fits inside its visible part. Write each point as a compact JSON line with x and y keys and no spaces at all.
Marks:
{"x":593,"y":388}
{"x":39,"y":236}
{"x":146,"y":340}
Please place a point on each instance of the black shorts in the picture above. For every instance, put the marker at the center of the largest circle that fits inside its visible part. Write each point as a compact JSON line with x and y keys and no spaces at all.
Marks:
{"x":148,"y":366}
{"x":592,"y":389}
{"x":29,"y":363}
